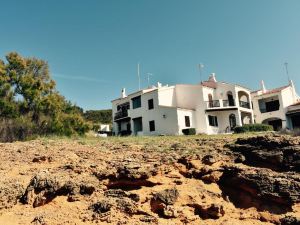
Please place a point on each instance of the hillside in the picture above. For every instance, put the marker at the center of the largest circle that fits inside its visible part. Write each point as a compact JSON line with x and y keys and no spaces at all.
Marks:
{"x":151,"y":180}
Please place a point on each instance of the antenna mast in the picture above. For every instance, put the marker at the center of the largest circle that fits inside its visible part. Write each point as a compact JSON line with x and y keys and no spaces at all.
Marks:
{"x":201,"y":66}
{"x":286,"y":70}
{"x":139,"y":77}
{"x":148,"y":77}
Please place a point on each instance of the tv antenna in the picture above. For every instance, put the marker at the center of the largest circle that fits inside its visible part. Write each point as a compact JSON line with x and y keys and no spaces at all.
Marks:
{"x":148,"y":78}
{"x":200,"y":66}
{"x":138,"y":74}
{"x":286,"y":70}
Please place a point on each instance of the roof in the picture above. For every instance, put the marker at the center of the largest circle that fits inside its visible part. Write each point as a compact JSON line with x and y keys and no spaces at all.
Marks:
{"x":275,"y":90}
{"x":210,"y":84}
{"x":294,"y":108}
{"x":296,"y":104}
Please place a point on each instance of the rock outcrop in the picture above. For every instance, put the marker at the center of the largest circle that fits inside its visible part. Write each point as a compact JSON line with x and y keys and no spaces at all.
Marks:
{"x":156,"y":180}
{"x":260,"y":188}
{"x":277,"y":152}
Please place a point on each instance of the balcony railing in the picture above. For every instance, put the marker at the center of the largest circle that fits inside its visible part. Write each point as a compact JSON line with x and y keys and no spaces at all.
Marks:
{"x":213,"y":104}
{"x":245,"y":104}
{"x":228,"y":103}
{"x":220,"y":103}
{"x":121,"y":114}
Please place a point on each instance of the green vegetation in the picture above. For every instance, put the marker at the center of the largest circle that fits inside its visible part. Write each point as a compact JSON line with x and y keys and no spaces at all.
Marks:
{"x":189,"y":131}
{"x":30,"y":105}
{"x":253,"y":128}
{"x":99,"y":116}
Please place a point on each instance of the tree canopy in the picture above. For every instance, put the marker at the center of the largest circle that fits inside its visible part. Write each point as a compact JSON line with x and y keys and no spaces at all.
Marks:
{"x":30,"y":103}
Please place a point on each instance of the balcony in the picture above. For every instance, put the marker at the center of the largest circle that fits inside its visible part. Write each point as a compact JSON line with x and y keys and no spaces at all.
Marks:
{"x":121,"y":115}
{"x":228,"y":103}
{"x":213,"y":104}
{"x":245,"y":104}
{"x":220,"y":105}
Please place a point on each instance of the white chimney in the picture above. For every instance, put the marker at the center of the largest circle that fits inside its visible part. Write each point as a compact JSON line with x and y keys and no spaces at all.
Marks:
{"x":263,"y":87}
{"x":123,"y":94}
{"x":159,"y":85}
{"x":293,"y":91}
{"x":212,"y":77}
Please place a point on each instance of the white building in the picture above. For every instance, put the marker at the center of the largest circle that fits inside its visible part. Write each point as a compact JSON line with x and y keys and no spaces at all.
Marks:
{"x":210,"y":107}
{"x":278,"y":107}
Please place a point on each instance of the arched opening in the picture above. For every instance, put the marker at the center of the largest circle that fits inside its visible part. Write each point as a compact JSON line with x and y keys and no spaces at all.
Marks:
{"x":276,"y":123}
{"x":232,"y":121}
{"x":230,"y":98}
{"x":210,"y":100}
{"x":244,"y":100}
{"x":246,"y":118}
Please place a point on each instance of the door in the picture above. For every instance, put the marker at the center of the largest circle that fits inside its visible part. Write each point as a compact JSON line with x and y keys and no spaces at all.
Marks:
{"x":137,"y":125}
{"x":276,"y":124}
{"x":232,"y":121}
{"x":230,"y":100}
{"x":210,"y":101}
{"x":296,"y":121}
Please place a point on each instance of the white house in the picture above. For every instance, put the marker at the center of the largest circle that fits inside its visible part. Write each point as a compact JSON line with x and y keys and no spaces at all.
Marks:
{"x":278,"y":107}
{"x":210,"y":107}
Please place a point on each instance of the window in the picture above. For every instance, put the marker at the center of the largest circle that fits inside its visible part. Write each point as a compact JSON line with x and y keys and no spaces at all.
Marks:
{"x":152,"y":125}
{"x":136,"y":102}
{"x":187,"y":121}
{"x":213,"y":121}
{"x":150,"y":104}
{"x":269,"y":104}
{"x":272,"y":106}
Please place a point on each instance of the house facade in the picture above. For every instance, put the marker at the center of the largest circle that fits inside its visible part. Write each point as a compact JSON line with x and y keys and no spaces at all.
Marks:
{"x":279,"y":107}
{"x":210,"y":107}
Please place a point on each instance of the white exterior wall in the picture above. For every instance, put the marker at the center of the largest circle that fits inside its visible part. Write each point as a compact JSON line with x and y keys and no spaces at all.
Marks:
{"x":165,"y":118}
{"x":260,"y":117}
{"x":167,"y":96}
{"x":223,"y":121}
{"x":181,"y":113}
{"x":188,"y":96}
{"x":172,"y":104}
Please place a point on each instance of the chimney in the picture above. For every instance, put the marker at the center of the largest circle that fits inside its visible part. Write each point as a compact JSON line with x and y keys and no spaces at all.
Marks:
{"x":212,"y":77}
{"x":123,"y":94}
{"x":263,"y":87}
{"x":159,"y":85}
{"x":293,"y":91}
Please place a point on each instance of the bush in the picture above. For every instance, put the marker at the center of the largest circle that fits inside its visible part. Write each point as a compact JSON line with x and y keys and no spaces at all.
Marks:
{"x":20,"y":129}
{"x":189,"y":131}
{"x":253,"y":128}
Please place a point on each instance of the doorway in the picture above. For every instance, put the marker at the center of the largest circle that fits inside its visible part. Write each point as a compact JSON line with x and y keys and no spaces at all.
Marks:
{"x":137,"y":125}
{"x":232,"y":121}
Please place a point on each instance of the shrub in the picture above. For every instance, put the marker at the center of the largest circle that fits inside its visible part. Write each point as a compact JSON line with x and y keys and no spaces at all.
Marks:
{"x":253,"y":128}
{"x":189,"y":131}
{"x":20,"y":128}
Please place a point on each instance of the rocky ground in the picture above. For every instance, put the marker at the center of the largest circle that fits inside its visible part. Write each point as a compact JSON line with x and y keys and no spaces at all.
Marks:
{"x":160,"y":180}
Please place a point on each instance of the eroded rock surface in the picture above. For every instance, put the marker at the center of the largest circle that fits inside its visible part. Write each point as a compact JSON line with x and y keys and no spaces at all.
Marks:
{"x":161,"y":180}
{"x":260,"y":188}
{"x":277,"y":152}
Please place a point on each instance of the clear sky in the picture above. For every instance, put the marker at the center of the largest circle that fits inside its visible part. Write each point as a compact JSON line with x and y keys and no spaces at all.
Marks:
{"x":93,"y":46}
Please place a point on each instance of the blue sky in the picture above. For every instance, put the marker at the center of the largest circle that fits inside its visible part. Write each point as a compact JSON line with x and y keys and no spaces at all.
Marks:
{"x":93,"y":46}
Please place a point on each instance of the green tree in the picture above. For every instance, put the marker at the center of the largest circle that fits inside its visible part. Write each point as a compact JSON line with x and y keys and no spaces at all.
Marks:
{"x":30,"y":104}
{"x":8,"y":107}
{"x":32,"y":81}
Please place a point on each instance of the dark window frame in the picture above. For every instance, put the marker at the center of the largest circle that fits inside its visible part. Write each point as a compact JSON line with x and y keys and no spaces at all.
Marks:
{"x":152,"y":125}
{"x":150,"y":104}
{"x":137,"y":105}
{"x":187,"y":121}
{"x":213,"y":121}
